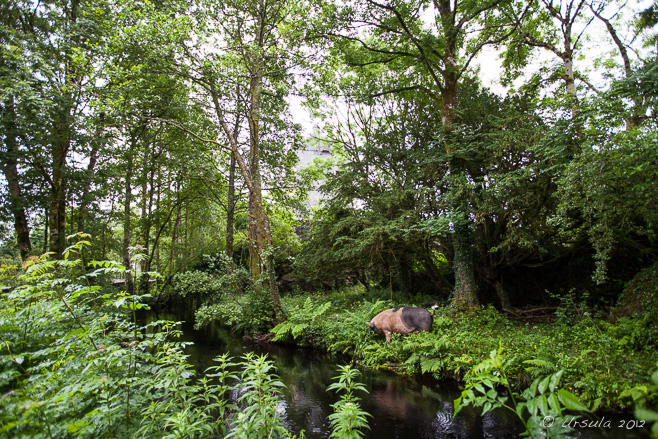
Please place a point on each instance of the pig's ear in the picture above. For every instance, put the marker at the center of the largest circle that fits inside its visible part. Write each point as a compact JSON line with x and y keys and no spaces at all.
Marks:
{"x":370,"y":324}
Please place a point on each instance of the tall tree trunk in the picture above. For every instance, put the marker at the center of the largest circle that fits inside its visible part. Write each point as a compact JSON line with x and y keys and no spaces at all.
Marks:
{"x":230,"y":208}
{"x":146,"y":203}
{"x":465,"y":292}
{"x":254,"y":238}
{"x":9,"y":162}
{"x":86,"y":198}
{"x":61,"y":145}
{"x":255,"y":229}
{"x":255,"y":196}
{"x":260,"y":255}
{"x":126,"y":216}
{"x":156,"y":244}
{"x":57,"y":221}
{"x":46,"y":232}
{"x":570,"y":79}
{"x":96,"y":144}
{"x":230,"y":199}
{"x":146,"y":232}
{"x":174,"y":239}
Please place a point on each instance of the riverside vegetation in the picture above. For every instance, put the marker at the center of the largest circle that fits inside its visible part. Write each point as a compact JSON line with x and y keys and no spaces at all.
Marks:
{"x":76,"y":362}
{"x":168,"y":131}
{"x":607,"y":364}
{"x":583,"y":361}
{"x":606,"y":361}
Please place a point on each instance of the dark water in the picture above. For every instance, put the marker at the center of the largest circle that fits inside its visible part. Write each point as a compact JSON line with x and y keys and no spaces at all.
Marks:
{"x":401,"y":407}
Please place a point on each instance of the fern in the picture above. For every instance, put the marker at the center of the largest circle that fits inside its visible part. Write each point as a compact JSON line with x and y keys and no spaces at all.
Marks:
{"x":320,"y":310}
{"x":300,"y":320}
{"x":431,"y":365}
{"x":639,"y":394}
{"x":540,"y":367}
{"x":288,"y":328}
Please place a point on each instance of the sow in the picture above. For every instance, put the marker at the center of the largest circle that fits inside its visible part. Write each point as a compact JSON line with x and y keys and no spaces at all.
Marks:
{"x":402,"y":321}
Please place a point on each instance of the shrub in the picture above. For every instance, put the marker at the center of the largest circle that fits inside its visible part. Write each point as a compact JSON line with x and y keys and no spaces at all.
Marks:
{"x":250,"y":313}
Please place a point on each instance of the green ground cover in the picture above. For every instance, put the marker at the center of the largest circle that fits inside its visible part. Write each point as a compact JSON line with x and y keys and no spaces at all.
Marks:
{"x":76,"y":362}
{"x":606,"y":362}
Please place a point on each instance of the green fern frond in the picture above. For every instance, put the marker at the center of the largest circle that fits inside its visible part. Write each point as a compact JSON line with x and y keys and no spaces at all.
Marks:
{"x":540,"y":367}
{"x":431,"y":365}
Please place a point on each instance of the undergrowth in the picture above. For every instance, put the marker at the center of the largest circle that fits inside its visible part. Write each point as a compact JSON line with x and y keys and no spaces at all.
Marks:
{"x":76,"y":362}
{"x":607,"y":364}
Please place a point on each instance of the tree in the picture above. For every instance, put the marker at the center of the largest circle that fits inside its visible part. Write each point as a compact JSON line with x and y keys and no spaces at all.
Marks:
{"x":386,"y":216}
{"x":557,"y":28}
{"x":378,"y":197}
{"x":636,"y":112}
{"x":9,"y":158}
{"x":410,"y":55}
{"x":236,"y":55}
{"x":611,"y":181}
{"x":52,"y":47}
{"x":18,"y":98}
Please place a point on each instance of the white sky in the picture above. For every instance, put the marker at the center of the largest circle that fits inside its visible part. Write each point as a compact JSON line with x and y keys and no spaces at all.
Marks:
{"x":598,"y":43}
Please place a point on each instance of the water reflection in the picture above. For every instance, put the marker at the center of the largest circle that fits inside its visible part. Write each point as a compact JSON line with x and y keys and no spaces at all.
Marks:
{"x":401,"y":407}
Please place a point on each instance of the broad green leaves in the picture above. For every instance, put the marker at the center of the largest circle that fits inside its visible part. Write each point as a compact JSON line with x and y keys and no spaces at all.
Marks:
{"x":541,"y":407}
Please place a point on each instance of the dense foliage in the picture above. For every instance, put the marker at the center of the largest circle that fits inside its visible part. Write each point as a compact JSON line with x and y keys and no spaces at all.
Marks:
{"x":155,"y":130}
{"x":592,"y":353}
{"x":169,"y":133}
{"x":77,"y":361}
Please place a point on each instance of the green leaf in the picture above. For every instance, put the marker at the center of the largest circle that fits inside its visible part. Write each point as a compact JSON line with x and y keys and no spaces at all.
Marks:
{"x":555,"y":380}
{"x":543,"y":385}
{"x":542,"y":403}
{"x":554,"y":403}
{"x":531,"y":391}
{"x":646,"y":415}
{"x":531,"y":405}
{"x":571,"y":401}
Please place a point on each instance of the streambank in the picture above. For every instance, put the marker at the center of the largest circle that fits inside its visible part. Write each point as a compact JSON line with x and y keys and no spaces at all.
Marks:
{"x":606,"y":364}
{"x":401,"y":406}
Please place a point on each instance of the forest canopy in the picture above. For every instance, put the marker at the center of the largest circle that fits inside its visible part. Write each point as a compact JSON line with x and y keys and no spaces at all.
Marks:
{"x":174,"y":130}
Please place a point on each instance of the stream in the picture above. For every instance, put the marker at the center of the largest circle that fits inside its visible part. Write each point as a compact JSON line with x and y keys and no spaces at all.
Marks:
{"x":401,"y":407}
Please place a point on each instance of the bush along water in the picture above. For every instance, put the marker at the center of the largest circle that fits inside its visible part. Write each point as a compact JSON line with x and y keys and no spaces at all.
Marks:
{"x":606,"y":364}
{"x":76,"y":362}
{"x":542,"y":408}
{"x":220,"y":290}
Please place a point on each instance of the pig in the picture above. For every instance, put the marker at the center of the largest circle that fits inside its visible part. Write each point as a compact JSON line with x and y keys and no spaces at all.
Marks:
{"x":402,"y":321}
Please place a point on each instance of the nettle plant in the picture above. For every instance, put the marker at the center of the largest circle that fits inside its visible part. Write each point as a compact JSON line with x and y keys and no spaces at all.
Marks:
{"x":75,"y":361}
